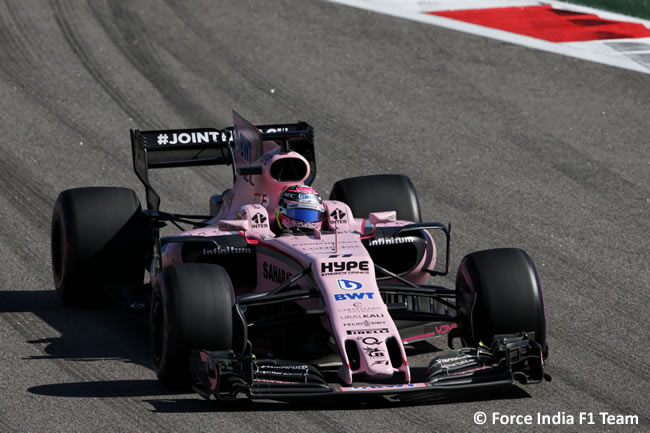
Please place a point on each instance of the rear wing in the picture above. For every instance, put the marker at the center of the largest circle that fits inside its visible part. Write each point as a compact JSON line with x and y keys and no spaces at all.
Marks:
{"x":176,"y":148}
{"x":209,"y":146}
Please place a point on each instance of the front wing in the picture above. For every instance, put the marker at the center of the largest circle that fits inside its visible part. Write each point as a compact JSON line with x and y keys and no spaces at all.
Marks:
{"x":226,"y":376}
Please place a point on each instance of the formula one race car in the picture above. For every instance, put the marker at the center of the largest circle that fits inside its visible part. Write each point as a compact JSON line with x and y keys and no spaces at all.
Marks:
{"x":237,"y":306}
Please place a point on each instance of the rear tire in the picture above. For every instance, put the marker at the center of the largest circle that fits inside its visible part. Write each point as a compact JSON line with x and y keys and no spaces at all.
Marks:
{"x":98,"y":241}
{"x":191,"y":308}
{"x":498,"y":292}
{"x":379,"y":193}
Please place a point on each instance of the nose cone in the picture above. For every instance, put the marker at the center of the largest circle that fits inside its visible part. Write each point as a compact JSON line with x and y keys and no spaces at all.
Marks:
{"x":369,"y":356}
{"x":375,"y":361}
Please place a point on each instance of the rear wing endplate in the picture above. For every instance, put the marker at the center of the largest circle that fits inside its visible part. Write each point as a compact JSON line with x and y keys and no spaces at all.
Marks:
{"x":176,"y":148}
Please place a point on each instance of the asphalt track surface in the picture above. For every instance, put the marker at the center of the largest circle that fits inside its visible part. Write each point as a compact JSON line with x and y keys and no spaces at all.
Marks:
{"x":515,"y":147}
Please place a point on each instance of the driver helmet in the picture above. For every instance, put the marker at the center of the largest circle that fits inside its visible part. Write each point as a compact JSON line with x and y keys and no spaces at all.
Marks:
{"x":299,"y":207}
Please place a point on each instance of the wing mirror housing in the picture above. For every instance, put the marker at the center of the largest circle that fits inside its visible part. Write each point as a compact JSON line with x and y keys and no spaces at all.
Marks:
{"x":382,"y":217}
{"x":233,"y":225}
{"x":379,"y":217}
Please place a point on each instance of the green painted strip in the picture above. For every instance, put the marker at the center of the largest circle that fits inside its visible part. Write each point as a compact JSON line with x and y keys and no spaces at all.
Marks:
{"x":635,"y":8}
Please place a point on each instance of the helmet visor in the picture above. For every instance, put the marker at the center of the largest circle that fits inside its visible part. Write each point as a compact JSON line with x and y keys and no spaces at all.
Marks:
{"x":306,"y":215}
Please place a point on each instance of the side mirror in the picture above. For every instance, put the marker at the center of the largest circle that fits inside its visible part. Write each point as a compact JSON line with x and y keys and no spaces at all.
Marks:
{"x":379,"y":217}
{"x":382,"y":217}
{"x":233,"y":225}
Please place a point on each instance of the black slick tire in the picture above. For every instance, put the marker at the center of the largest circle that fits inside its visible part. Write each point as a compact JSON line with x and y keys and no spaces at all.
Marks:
{"x":191,"y":308}
{"x":98,"y":242}
{"x":498,"y":292}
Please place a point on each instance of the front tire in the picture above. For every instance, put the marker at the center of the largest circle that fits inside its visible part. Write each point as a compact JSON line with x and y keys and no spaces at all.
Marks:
{"x":498,"y":292}
{"x":98,"y":241}
{"x":191,"y":308}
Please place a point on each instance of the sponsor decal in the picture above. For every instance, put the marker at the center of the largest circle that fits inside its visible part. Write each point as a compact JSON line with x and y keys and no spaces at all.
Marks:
{"x":353,"y":296}
{"x":187,"y":138}
{"x":259,"y":221}
{"x":265,"y":199}
{"x":392,"y":241}
{"x":362,"y":316}
{"x":438,"y":330}
{"x":243,"y":145}
{"x":329,"y":246}
{"x":338,"y":216}
{"x":444,"y":329}
{"x":302,"y":243}
{"x":366,"y":323}
{"x":299,"y":242}
{"x":472,"y":370}
{"x":358,"y":308}
{"x":228,"y":137}
{"x":352,"y":267}
{"x":273,"y":381}
{"x":383,"y":387}
{"x":333,"y":256}
{"x":456,"y":361}
{"x":274,"y":130}
{"x":374,"y":352}
{"x":368,"y":331}
{"x":274,"y":273}
{"x":301,"y":196}
{"x":283,"y":367}
{"x":380,"y":362}
{"x":370,"y":341}
{"x":349,"y":285}
{"x":217,"y":251}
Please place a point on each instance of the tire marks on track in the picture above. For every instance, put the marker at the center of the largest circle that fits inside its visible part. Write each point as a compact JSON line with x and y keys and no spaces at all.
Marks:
{"x":594,"y":389}
{"x":66,"y":17}
{"x":294,"y":100}
{"x":34,"y":205}
{"x":129,"y":34}
{"x":24,"y":193}
{"x":20,"y":66}
{"x":86,"y":372}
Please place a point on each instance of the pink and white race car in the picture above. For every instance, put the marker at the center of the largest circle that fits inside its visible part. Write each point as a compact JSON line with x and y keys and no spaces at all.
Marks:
{"x":237,"y":307}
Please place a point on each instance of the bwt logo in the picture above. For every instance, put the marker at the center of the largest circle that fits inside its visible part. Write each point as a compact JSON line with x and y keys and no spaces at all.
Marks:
{"x":349,"y":284}
{"x":346,"y":296}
